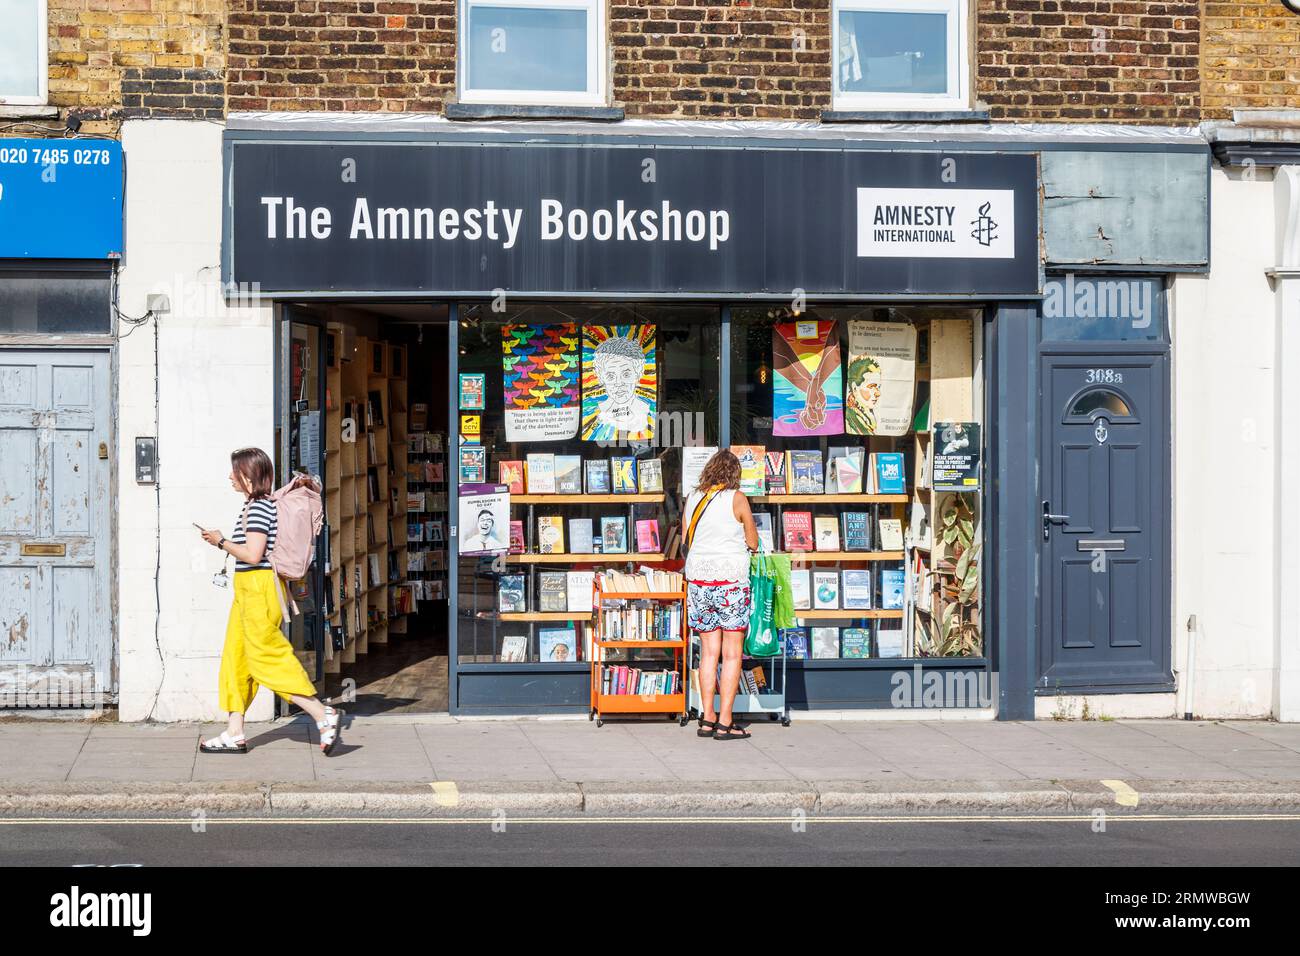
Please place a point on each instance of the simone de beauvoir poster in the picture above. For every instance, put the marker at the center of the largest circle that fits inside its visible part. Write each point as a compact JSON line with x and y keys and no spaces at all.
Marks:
{"x":620,"y":383}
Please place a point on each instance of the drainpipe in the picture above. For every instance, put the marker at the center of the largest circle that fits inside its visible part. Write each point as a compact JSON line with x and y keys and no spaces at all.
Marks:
{"x":1191,"y":667}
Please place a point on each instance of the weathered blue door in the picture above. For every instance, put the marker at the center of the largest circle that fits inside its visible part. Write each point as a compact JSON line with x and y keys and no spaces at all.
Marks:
{"x":55,"y":609}
{"x":1105,"y":521}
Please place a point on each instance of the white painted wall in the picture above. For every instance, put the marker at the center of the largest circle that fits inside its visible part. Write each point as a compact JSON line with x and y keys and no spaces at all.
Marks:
{"x":216,"y":395}
{"x":1225,"y":482}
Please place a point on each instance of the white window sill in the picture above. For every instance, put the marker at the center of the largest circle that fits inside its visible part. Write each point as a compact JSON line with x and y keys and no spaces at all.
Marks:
{"x":14,"y":111}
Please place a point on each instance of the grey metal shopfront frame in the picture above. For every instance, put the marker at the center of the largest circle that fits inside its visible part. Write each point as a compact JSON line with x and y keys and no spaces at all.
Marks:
{"x":1010,"y":329}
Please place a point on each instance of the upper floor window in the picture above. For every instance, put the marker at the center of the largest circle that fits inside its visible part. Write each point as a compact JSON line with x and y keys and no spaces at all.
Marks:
{"x":901,"y":55}
{"x":532,"y":52}
{"x":23,"y":52}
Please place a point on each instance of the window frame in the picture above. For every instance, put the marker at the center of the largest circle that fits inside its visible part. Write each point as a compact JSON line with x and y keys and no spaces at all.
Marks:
{"x":959,"y":59}
{"x":597,"y":58}
{"x":42,"y":40}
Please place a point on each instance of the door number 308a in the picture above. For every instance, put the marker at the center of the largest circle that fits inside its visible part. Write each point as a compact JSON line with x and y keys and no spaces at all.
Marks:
{"x":1108,"y":375}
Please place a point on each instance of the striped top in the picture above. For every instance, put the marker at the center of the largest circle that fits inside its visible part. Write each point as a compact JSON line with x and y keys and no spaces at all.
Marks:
{"x":261,"y":518}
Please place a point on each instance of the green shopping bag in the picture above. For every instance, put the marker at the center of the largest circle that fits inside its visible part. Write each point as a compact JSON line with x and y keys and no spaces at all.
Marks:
{"x":783,"y":595}
{"x":761,"y":640}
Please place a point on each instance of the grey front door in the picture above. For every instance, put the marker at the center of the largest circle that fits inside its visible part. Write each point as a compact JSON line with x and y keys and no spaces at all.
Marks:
{"x":1105,"y":523}
{"x":55,"y":612}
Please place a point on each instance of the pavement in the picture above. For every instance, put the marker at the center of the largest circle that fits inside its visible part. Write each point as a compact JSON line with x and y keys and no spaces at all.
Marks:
{"x":442,"y":766}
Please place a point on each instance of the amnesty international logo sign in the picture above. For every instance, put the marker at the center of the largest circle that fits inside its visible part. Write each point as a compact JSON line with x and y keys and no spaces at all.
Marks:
{"x":937,"y":223}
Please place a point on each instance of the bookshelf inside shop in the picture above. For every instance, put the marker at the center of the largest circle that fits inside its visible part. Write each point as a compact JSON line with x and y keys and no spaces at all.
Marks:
{"x":365,"y":495}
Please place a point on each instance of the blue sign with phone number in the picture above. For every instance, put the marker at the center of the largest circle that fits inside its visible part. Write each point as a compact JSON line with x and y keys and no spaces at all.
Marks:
{"x":60,"y":199}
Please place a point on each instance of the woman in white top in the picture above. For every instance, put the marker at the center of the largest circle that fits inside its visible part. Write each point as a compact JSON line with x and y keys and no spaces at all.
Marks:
{"x":720,"y":535}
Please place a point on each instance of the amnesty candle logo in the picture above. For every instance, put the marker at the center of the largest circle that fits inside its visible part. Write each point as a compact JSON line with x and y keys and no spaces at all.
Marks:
{"x":936,"y":223}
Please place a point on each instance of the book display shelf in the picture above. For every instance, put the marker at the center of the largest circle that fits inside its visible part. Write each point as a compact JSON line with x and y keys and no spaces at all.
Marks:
{"x":627,"y":626}
{"x":364,"y":498}
{"x":426,"y":519}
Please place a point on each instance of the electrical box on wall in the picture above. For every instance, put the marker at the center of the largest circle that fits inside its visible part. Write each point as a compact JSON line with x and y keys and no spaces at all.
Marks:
{"x":146,"y":460}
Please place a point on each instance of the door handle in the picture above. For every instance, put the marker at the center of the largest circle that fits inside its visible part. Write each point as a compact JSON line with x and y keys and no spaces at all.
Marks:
{"x":1049,"y":519}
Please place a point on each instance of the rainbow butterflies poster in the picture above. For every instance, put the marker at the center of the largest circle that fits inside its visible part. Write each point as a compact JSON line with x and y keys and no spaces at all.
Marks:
{"x":540,"y":381}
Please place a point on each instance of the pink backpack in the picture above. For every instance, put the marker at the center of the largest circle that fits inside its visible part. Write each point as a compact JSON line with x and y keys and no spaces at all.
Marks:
{"x":299,"y":515}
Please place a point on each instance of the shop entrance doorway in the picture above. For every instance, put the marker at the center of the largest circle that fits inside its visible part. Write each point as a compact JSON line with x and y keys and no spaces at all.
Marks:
{"x":365,"y":406}
{"x":1105,"y":521}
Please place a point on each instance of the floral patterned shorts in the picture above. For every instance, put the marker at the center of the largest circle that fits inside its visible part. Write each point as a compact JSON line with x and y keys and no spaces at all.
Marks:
{"x":710,"y":607}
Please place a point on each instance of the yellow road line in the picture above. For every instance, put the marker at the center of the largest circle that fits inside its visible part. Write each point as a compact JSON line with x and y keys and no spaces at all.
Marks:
{"x":623,"y":821}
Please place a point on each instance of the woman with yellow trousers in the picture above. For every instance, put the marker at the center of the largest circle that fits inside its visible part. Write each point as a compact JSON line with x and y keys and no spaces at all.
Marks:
{"x":256,"y":653}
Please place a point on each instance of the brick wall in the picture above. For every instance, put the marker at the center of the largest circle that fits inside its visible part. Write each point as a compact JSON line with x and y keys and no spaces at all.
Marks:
{"x":1250,"y":57}
{"x":1129,"y":61}
{"x":116,"y":58}
{"x":754,"y":59}
{"x":341,"y":54}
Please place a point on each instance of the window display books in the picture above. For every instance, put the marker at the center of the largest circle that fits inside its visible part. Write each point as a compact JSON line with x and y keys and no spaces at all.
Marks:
{"x":514,"y":648}
{"x":597,"y":476}
{"x":693,"y":461}
{"x":557,"y":644}
{"x":753,"y":479}
{"x":579,"y":587}
{"x":517,"y":537}
{"x":800,"y":589}
{"x":763,"y":522}
{"x":804,"y":472}
{"x":511,"y":596}
{"x":887,"y":473}
{"x":774,"y":472}
{"x":891,"y":589}
{"x":856,"y":529}
{"x":568,"y":475}
{"x":623,"y":470}
{"x":855,"y":643}
{"x":650,"y":476}
{"x":613,"y":535}
{"x":511,"y":474}
{"x":856,"y":589}
{"x":541,"y":473}
{"x":825,"y":642}
{"x":889,"y":639}
{"x":580,"y":536}
{"x":797,"y":530}
{"x":891,"y":534}
{"x":552,"y":591}
{"x":550,"y":535}
{"x":647,"y":535}
{"x":826,"y":590}
{"x":844,"y":471}
{"x":795,"y":640}
{"x":828,"y":533}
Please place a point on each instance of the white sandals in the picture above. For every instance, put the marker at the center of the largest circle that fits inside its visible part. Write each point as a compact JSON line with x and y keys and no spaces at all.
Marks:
{"x":329,"y":730}
{"x":225,"y":744}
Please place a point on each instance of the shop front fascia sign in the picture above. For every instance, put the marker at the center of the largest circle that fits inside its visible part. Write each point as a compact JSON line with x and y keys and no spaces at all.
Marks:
{"x":60,"y":199}
{"x":655,"y":220}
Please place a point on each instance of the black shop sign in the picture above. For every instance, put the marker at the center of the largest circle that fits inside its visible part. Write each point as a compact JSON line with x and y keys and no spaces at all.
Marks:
{"x":588,"y":220}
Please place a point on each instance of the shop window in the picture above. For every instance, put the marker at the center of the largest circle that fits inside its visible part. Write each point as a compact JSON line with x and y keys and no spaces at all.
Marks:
{"x":1100,"y":400}
{"x":524,"y":375}
{"x":533,"y":52}
{"x":23,"y":52}
{"x":55,"y":301}
{"x":900,"y":56}
{"x":847,"y":410}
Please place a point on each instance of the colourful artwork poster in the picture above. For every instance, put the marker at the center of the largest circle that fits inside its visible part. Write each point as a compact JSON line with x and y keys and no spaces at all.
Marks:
{"x":620,"y":383}
{"x":881,"y":380}
{"x":540,"y":381}
{"x":808,"y":384}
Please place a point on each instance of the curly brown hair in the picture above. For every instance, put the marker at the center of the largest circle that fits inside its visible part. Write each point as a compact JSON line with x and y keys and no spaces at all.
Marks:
{"x":722,"y":469}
